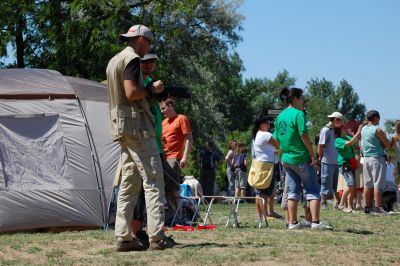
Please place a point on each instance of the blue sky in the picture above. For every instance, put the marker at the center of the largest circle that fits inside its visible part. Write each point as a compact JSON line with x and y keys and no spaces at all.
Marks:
{"x":356,"y":40}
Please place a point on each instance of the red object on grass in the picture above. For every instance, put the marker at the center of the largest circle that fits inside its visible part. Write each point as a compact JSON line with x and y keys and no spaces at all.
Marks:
{"x":183,"y":228}
{"x":206,"y":227}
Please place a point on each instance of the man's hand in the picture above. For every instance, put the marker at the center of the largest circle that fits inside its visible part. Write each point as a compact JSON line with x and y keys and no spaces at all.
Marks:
{"x":183,"y":163}
{"x":158,"y":86}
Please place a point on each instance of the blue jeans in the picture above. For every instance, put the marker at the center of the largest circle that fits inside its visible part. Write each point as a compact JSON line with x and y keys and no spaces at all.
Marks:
{"x":298,"y":174}
{"x":329,"y":178}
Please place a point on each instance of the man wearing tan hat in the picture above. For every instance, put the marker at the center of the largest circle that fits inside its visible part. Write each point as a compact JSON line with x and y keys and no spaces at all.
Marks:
{"x":133,"y":126}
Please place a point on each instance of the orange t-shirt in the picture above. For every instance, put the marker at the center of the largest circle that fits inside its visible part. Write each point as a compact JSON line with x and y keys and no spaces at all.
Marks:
{"x":173,"y":134}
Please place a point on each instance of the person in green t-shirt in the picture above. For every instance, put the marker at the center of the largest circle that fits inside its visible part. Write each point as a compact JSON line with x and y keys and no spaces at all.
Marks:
{"x":297,"y":157}
{"x":345,"y":146}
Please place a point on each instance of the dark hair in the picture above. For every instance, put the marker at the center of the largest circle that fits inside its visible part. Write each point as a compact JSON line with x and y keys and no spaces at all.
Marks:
{"x":210,"y":143}
{"x":169,"y":102}
{"x":338,"y":131}
{"x":287,"y":95}
{"x":371,"y":115}
{"x":257,"y":123}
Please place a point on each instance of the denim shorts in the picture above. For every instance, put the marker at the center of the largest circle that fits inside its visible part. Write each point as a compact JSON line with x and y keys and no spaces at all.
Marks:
{"x":349,"y":176}
{"x":302,"y":174}
{"x":329,"y":178}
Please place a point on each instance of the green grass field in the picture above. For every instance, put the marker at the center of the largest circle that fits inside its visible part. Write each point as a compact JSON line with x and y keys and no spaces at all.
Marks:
{"x":357,"y":239}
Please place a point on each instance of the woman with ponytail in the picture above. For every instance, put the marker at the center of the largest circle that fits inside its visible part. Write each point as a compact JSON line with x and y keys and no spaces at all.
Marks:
{"x":297,"y":157}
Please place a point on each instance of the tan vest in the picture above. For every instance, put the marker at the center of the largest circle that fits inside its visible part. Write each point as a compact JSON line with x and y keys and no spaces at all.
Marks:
{"x":127,"y":117}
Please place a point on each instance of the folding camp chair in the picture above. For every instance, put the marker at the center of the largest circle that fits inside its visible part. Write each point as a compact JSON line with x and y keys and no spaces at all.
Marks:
{"x":188,"y":206}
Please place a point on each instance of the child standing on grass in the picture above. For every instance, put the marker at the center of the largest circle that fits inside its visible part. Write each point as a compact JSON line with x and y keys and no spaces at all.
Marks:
{"x":239,"y":163}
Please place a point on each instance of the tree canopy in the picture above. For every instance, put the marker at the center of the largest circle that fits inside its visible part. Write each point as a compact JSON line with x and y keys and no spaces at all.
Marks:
{"x":195,"y":41}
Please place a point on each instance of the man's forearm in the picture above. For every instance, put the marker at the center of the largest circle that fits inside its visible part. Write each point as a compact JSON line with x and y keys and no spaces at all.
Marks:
{"x":187,"y":147}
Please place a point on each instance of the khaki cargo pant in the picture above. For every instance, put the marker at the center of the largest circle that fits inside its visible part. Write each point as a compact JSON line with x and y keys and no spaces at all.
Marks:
{"x":140,"y":163}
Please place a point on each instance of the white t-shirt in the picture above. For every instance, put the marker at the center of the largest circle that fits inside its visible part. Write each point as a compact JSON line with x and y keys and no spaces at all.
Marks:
{"x":262,"y":150}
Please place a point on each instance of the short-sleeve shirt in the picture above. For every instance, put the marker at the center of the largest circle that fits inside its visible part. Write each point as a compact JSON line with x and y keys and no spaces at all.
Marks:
{"x":262,"y":150}
{"x":157,"y":118}
{"x":290,"y":125}
{"x":132,"y":70}
{"x":174,"y":131}
{"x":344,"y":153}
{"x":327,"y":138}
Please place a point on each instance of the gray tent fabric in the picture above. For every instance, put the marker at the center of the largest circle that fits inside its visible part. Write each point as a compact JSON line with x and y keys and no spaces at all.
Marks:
{"x":57,"y":157}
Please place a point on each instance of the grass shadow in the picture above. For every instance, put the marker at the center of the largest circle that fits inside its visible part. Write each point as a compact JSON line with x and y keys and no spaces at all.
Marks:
{"x":358,"y":232}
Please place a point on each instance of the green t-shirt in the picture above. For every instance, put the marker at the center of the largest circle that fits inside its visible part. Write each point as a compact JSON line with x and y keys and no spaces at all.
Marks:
{"x":290,"y":125}
{"x":157,"y":118}
{"x":344,"y":153}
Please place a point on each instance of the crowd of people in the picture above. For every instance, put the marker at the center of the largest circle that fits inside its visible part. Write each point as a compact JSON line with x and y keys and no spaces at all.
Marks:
{"x":156,"y":141}
{"x":360,"y":159}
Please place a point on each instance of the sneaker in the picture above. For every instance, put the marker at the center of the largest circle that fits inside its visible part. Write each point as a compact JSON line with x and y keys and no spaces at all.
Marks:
{"x":321,"y":226}
{"x":166,"y":242}
{"x":379,"y":211}
{"x":125,"y":246}
{"x":297,"y":226}
{"x":336,"y":206}
{"x":341,"y":207}
{"x":324,"y":206}
{"x":143,"y":238}
{"x":307,"y":224}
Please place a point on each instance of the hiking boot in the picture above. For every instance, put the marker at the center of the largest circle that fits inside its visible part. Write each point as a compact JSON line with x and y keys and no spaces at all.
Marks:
{"x":321,"y":226}
{"x":324,"y":206}
{"x":125,"y":246}
{"x":166,"y":242}
{"x":143,"y":238}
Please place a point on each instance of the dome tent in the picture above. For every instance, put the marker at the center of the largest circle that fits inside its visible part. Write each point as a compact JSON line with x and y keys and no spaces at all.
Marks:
{"x":57,"y":157}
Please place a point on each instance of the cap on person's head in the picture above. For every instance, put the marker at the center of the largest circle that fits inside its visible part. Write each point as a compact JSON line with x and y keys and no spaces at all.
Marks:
{"x":137,"y":30}
{"x":336,"y":115}
{"x":148,"y":57}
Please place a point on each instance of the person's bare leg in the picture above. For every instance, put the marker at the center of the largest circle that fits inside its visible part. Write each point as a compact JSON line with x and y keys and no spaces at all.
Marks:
{"x":307,"y":214}
{"x":345,"y":195}
{"x":314,"y":208}
{"x":352,"y":192}
{"x":259,"y":205}
{"x":292,"y":208}
{"x":286,"y":211}
{"x":336,"y":197}
{"x":243,"y":192}
{"x":270,"y":204}
{"x":378,"y":198}
{"x":368,"y":197}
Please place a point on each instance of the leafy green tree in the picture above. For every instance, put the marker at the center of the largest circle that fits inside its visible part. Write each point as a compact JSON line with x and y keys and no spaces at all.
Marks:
{"x":348,"y":102}
{"x":321,"y":102}
{"x":390,"y":125}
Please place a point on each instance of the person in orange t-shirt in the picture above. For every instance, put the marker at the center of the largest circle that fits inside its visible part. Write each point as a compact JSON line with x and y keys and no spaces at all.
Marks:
{"x":177,"y":141}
